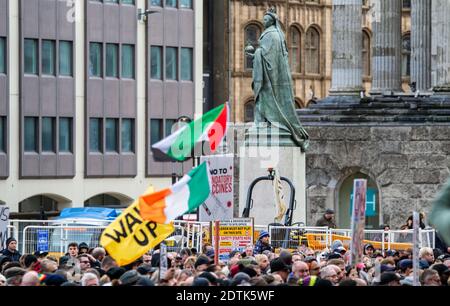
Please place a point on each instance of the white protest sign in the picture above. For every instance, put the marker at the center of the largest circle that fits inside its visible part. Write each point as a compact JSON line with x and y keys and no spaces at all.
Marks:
{"x":219,"y":206}
{"x":4,"y":217}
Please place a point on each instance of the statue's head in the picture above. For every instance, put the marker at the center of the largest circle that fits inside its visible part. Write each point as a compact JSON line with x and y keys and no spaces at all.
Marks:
{"x":270,"y":17}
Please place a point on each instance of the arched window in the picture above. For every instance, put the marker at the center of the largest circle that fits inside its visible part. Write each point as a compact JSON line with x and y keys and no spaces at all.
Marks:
{"x":366,"y":54}
{"x":372,"y":202}
{"x":406,"y":55}
{"x":249,"y":111}
{"x":38,"y":207}
{"x":102,"y":200}
{"x":298,"y":104}
{"x":294,"y":50}
{"x":252,"y":33}
{"x":312,"y":47}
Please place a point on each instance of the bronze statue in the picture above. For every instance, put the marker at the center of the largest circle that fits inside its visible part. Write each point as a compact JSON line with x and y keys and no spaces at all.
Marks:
{"x":272,"y":82}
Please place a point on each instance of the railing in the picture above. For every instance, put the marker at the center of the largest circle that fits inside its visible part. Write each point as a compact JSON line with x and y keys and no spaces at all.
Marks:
{"x":194,"y":234}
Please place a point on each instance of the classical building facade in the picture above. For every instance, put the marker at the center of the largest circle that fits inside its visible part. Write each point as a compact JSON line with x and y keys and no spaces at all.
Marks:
{"x":308,"y":28}
{"x":85,"y":88}
{"x":398,"y":141}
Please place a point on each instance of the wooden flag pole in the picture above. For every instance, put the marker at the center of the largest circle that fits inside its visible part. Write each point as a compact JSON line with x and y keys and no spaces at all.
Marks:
{"x":217,"y":240}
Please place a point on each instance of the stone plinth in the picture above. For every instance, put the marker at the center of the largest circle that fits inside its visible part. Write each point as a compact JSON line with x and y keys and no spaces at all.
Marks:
{"x":253,"y":162}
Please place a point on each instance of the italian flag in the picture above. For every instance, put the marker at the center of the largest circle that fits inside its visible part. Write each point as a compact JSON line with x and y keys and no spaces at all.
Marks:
{"x":185,"y":196}
{"x":210,"y":127}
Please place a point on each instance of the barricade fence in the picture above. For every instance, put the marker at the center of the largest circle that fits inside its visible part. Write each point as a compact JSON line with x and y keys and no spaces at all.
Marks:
{"x":55,"y":235}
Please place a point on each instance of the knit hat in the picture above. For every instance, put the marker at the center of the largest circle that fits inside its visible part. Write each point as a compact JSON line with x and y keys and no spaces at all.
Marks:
{"x":53,"y":280}
{"x":200,"y":282}
{"x":263,"y":234}
{"x":9,"y":240}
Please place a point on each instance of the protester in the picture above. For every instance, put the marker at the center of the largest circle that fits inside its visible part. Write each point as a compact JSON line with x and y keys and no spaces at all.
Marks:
{"x":263,"y":243}
{"x":327,"y":219}
{"x":11,"y":250}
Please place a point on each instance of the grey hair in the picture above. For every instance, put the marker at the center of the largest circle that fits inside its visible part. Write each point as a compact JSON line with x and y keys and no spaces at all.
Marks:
{"x":87,"y":277}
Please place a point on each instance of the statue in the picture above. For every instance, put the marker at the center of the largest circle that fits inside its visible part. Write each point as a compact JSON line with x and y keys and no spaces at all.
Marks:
{"x":272,"y":82}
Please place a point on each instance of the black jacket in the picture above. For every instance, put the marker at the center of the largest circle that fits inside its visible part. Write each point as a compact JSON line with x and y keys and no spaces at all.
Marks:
{"x":324,"y":222}
{"x":13,"y":256}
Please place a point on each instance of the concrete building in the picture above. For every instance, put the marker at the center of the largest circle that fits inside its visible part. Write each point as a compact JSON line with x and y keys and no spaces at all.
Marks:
{"x":308,"y":27}
{"x":85,"y":88}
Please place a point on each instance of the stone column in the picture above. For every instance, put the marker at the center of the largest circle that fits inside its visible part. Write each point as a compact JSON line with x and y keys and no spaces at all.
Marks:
{"x":421,"y":44}
{"x":387,"y":46}
{"x":346,"y":77}
{"x":440,"y":46}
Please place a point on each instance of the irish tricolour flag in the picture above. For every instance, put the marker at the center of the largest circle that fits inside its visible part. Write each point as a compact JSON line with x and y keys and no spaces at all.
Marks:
{"x":185,"y":196}
{"x":211,"y":127}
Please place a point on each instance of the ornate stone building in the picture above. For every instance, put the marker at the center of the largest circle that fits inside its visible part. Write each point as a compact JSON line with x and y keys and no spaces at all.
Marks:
{"x":398,"y":141}
{"x":308,"y":28}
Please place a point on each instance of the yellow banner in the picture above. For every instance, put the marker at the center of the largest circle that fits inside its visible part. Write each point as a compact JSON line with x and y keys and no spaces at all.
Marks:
{"x":129,"y":237}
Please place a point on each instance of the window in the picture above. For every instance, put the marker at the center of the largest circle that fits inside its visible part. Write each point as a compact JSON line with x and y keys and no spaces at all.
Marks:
{"x":366,"y":54}
{"x":48,"y":57}
{"x":171,"y":3}
{"x":312,"y":47}
{"x":48,"y":134}
{"x":169,"y":125}
{"x":252,"y":33}
{"x":2,"y":134}
{"x":2,"y":55}
{"x":95,"y":135}
{"x":111,"y":135}
{"x":111,"y":1}
{"x":295,"y":54}
{"x":186,"y":4}
{"x":171,"y":63}
{"x":156,"y":2}
{"x":127,"y":135}
{"x":130,"y":2}
{"x":30,"y":134}
{"x":65,"y":134}
{"x":406,"y":56}
{"x":156,"y":130}
{"x":112,"y":60}
{"x":406,"y":4}
{"x":128,"y":61}
{"x":186,"y":64}
{"x":65,"y":58}
{"x":156,"y":63}
{"x":95,"y":60}
{"x":249,"y":111}
{"x":31,"y":56}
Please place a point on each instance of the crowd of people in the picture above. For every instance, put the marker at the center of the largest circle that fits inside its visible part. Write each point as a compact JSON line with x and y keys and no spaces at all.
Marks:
{"x":256,"y":265}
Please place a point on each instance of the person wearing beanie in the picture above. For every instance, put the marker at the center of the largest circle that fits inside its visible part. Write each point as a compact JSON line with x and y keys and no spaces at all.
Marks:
{"x":263,"y":243}
{"x":11,"y":250}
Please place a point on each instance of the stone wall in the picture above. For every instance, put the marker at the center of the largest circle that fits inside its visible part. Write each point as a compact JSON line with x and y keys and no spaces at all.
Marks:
{"x":408,"y":163}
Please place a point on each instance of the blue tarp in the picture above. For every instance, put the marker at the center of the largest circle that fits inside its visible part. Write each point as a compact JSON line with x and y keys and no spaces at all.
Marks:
{"x":98,"y":213}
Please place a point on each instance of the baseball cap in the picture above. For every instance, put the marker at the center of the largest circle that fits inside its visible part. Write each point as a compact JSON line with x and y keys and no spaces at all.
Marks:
{"x":388,"y":277}
{"x":329,"y":212}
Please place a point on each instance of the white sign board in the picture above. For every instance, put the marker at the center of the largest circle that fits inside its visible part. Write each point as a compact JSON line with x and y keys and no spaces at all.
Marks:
{"x":4,"y":217}
{"x":219,"y":205}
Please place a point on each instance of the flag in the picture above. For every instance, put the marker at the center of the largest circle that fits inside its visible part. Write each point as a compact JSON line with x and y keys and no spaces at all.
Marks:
{"x":440,"y":213}
{"x":183,"y":197}
{"x":129,"y":237}
{"x":279,"y":197}
{"x":211,"y":127}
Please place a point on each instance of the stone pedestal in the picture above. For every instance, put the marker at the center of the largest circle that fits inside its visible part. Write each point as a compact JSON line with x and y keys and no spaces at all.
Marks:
{"x":254,"y":160}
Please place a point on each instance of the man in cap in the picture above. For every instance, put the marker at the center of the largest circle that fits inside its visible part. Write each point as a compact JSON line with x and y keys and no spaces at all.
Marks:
{"x":11,"y":250}
{"x":369,"y":250}
{"x":327,"y":219}
{"x":263,"y":243}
